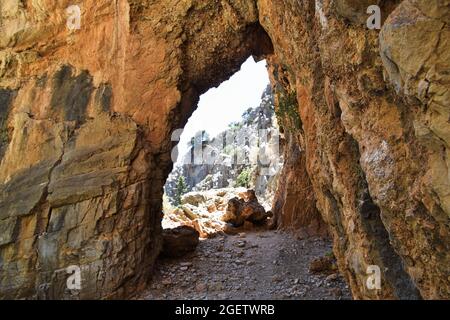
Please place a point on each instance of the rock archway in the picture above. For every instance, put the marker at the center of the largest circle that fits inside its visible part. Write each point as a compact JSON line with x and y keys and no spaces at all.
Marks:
{"x":87,"y":117}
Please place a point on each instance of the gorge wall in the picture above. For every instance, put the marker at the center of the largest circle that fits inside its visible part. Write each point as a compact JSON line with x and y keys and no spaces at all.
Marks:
{"x":236,"y":155}
{"x":86,"y":118}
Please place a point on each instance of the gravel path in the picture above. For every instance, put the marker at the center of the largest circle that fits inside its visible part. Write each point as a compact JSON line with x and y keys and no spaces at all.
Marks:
{"x":256,"y":265}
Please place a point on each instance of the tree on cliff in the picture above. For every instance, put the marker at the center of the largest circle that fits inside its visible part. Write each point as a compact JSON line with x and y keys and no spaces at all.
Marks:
{"x":180,"y":189}
{"x":244,"y":179}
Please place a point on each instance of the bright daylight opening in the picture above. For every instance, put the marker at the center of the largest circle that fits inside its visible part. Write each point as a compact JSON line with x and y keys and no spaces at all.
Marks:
{"x":228,"y":149}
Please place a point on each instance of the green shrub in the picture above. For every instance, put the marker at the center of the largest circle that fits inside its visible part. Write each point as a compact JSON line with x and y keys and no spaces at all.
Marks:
{"x":287,"y":111}
{"x":244,"y":178}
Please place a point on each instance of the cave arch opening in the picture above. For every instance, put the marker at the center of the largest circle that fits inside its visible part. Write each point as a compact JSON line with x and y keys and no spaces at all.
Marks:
{"x":267,"y":253}
{"x":220,"y":156}
{"x":230,"y":144}
{"x":376,"y":209}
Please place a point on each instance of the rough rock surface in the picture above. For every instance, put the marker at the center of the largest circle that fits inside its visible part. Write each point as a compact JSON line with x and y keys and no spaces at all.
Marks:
{"x":294,"y":203}
{"x":229,"y":163}
{"x":179,"y":241}
{"x":86,"y":118}
{"x":248,"y":209}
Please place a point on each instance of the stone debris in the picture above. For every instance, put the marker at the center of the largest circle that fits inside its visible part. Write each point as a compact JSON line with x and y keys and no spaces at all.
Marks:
{"x":240,"y":244}
{"x":332,"y":277}
{"x":211,"y":212}
{"x":325,"y":265}
{"x":186,"y":264}
{"x":248,"y":274}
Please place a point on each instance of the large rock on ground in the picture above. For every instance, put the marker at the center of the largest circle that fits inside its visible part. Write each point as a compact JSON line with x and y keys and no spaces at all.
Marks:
{"x":179,"y":241}
{"x":193,"y":198}
{"x":248,"y":209}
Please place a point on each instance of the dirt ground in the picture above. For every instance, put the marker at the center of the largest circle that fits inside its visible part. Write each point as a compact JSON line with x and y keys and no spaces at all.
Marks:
{"x":254,"y":265}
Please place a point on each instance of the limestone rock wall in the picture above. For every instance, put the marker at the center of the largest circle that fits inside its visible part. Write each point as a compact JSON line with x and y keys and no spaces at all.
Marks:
{"x":225,"y":171}
{"x":294,"y":203}
{"x":86,"y":118}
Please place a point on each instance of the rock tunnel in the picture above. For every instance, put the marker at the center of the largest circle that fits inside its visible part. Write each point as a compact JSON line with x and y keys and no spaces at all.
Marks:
{"x":87,"y":116}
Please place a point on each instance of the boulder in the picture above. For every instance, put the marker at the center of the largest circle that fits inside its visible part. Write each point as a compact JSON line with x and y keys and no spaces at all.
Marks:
{"x":248,"y":209}
{"x":179,"y":241}
{"x":323,"y":265}
{"x":189,"y":212}
{"x":193,"y":198}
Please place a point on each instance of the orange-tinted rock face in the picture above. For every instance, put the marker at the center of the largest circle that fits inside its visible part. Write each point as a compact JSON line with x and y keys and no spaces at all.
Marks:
{"x":86,"y":118}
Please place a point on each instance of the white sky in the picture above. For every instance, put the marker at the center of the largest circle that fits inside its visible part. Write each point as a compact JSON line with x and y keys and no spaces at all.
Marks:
{"x":220,"y":106}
